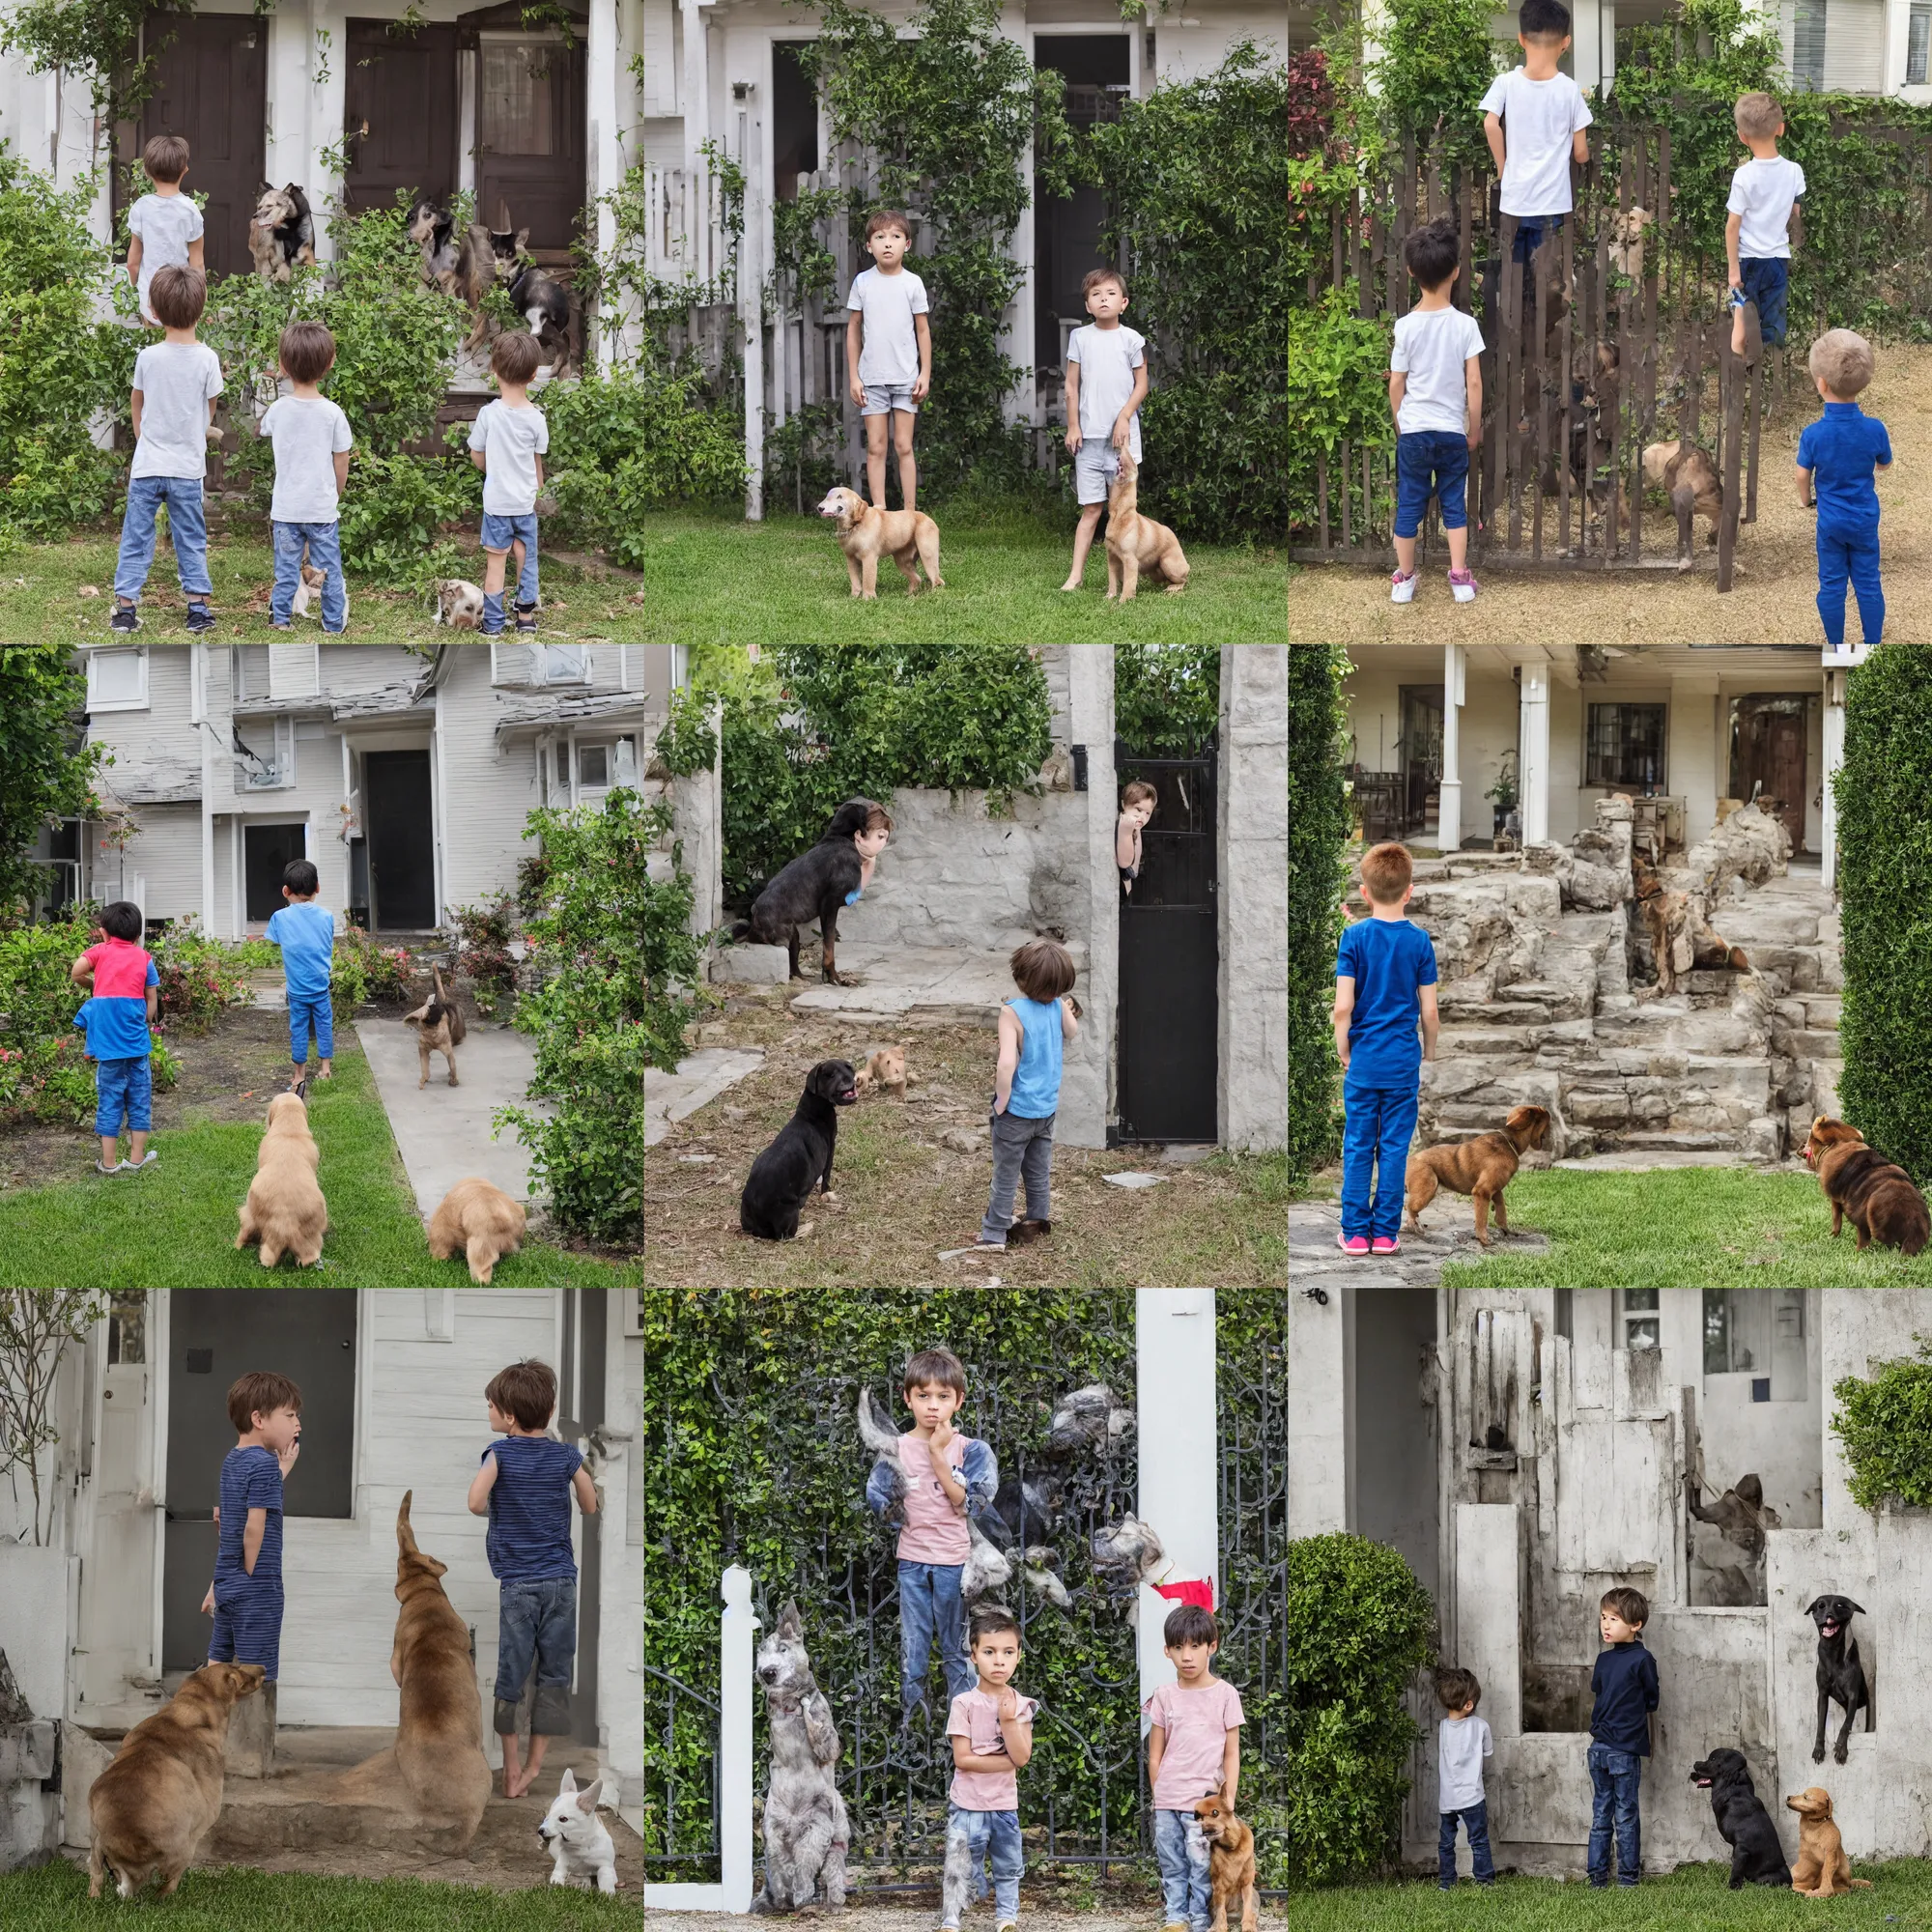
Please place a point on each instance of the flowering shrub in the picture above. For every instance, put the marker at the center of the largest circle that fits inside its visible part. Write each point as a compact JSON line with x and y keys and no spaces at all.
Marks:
{"x":365,"y":971}
{"x":199,"y":977}
{"x":487,"y":931}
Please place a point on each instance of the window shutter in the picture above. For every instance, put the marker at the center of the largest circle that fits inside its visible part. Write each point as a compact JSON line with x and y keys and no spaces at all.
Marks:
{"x":295,"y":670}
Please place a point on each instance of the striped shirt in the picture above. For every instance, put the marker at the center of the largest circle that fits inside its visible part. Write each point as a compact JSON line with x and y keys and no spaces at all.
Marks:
{"x":251,"y":1478}
{"x":529,"y":1508}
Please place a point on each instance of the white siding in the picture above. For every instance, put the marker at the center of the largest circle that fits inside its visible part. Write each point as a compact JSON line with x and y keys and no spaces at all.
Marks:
{"x":166,"y":853}
{"x":488,"y":791}
{"x":161,"y":735}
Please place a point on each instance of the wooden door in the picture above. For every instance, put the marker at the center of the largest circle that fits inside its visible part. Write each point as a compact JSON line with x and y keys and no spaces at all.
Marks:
{"x":212,"y":87}
{"x":399,"y":118}
{"x":529,"y":138}
{"x":1768,"y":748}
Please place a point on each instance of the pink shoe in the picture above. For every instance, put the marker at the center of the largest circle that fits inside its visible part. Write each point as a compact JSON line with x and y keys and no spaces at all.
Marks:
{"x":1387,"y":1245}
{"x":1462,"y":586}
{"x":1353,"y":1244}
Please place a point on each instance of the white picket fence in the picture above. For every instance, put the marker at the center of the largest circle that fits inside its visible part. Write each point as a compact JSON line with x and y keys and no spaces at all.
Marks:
{"x":685,"y":232}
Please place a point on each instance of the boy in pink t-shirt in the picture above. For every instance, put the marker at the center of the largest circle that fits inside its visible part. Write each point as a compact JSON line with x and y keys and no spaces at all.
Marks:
{"x":122,"y":981}
{"x":1194,"y":1748}
{"x":991,"y":1728}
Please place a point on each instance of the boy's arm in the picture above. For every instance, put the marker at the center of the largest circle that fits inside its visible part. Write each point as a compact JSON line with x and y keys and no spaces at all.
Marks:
{"x":1431,"y":1021}
{"x":1733,"y":228}
{"x":1398,"y":388}
{"x":194,"y":260}
{"x":1344,"y":1006}
{"x":133,"y":261}
{"x":1580,"y":147}
{"x":1231,"y":1768}
{"x":965,"y":1758}
{"x":1009,"y":1060}
{"x":1492,"y":134}
{"x":480,"y":1485}
{"x":1072,"y":407}
{"x":1803,"y":476}
{"x":943,"y":1470}
{"x":855,"y":341}
{"x":584,"y":1491}
{"x":1069,"y":1022}
{"x":341,"y":460}
{"x":1124,"y":422}
{"x":82,"y":972}
{"x":922,"y":381}
{"x":154,"y":1003}
{"x":1016,"y":1733}
{"x":1473,"y":382}
{"x":480,"y":458}
{"x":138,"y":399}
{"x":251,"y":1537}
{"x":1156,"y":1751}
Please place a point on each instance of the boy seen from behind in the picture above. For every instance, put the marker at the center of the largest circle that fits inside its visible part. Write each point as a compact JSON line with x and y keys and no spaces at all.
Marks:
{"x":508,"y":441}
{"x":1757,"y":220}
{"x":1533,"y":118}
{"x":307,"y":935}
{"x":124,"y":982}
{"x":165,"y":226}
{"x":311,"y":439}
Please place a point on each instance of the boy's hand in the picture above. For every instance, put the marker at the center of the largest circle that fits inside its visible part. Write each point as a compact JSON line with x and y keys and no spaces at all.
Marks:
{"x":942,"y":1434}
{"x":856,"y":389}
{"x":1120,"y":436}
{"x":922,"y":386}
{"x":1072,"y":438}
{"x":287,"y":1459}
{"x":207,"y":1603}
{"x":1008,"y":1706}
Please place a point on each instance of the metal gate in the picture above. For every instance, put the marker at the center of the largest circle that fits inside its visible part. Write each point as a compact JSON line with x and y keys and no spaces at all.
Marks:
{"x":1170,"y":958}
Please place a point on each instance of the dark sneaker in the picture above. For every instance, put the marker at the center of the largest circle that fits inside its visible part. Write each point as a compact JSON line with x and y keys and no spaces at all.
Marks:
{"x":200,"y":618}
{"x":126,"y":618}
{"x":527,"y":616}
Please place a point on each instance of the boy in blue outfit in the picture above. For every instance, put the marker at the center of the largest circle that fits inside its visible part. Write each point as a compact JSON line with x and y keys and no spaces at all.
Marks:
{"x":124,"y":981}
{"x":524,"y":1488}
{"x":307,"y":935}
{"x":1837,"y":458}
{"x":1385,"y":984}
{"x":1625,"y":1686}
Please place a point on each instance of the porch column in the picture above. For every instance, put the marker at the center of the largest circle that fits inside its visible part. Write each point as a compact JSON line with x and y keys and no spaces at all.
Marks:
{"x":1318,"y":1499}
{"x":1449,"y":812}
{"x":1533,"y":752}
{"x":754,"y":247}
{"x":696,"y":92}
{"x":1834,"y":758}
{"x":603,"y":122}
{"x":1589,"y":45}
{"x":205,"y":738}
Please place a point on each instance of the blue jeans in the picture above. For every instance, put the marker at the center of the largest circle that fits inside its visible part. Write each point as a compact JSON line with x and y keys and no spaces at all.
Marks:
{"x":1477,"y":1818}
{"x":1186,"y":1895}
{"x":1529,"y":235}
{"x":500,"y":533}
{"x":187,"y":532}
{"x":929,"y":1606}
{"x":1765,"y":281}
{"x":982,"y":1834}
{"x":1430,"y":463}
{"x":124,"y":1087}
{"x":324,"y":542}
{"x":1022,"y":1150}
{"x":1849,"y":552}
{"x":536,"y":1623}
{"x":1379,"y":1122}
{"x":306,"y":1010}
{"x":1614,"y":1777}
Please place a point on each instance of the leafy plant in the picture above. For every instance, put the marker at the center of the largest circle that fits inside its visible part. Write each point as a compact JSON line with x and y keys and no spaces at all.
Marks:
{"x":37,"y":1325}
{"x":686,"y":743}
{"x":363,"y":971}
{"x":1337,"y":392}
{"x":485,"y":931}
{"x":1435,"y":63}
{"x":1167,"y":697}
{"x":44,"y":773}
{"x":1883,"y":1419}
{"x":1318,"y":830}
{"x":200,"y":977}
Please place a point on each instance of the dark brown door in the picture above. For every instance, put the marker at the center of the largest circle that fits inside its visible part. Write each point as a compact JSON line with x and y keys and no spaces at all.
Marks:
{"x":399,"y":124}
{"x":212,"y":88}
{"x":529,"y":138}
{"x":402,"y":866}
{"x":1767,"y":741}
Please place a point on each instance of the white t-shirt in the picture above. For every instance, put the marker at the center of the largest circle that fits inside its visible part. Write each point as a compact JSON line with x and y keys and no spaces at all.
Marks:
{"x":166,"y":224}
{"x":307,"y":431}
{"x":1462,"y":1743}
{"x":512,"y":440}
{"x":889,"y":346}
{"x":1762,"y":191}
{"x":1430,"y":347}
{"x":1539,"y":118}
{"x":1108,"y":358}
{"x":177,"y":379}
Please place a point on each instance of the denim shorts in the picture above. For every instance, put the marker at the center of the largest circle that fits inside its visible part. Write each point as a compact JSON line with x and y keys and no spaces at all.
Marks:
{"x":124,"y":1087}
{"x":1765,"y":280}
{"x":536,"y":1626}
{"x":499,"y":532}
{"x":1529,"y":235}
{"x":1430,"y":463}
{"x":882,"y":398}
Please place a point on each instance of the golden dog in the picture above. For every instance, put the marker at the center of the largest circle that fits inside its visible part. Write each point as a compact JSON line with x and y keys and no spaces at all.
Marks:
{"x":1231,"y":1861}
{"x":285,"y":1210}
{"x":1137,"y":546}
{"x":1821,"y":1868}
{"x":1481,"y":1168}
{"x":886,"y":1069}
{"x":479,"y":1222}
{"x":867,"y":534}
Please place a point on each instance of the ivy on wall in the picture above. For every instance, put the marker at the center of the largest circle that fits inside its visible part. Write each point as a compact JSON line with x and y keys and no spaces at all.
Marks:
{"x":1318,"y":830}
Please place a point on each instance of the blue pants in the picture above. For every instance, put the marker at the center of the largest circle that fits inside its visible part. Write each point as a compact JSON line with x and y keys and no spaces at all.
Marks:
{"x":306,"y":1010}
{"x":1849,"y":554}
{"x":324,"y":542}
{"x":1379,"y":1125}
{"x":1477,"y":1818}
{"x":1614,"y":1777}
{"x":1529,"y":235}
{"x":1430,"y":463}
{"x":188,"y":531}
{"x":124,"y":1087}
{"x":1765,"y":281}
{"x":536,"y":1624}
{"x":498,"y":533}
{"x":1186,"y":1894}
{"x":929,"y":1606}
{"x":248,"y":1624}
{"x":988,"y":1838}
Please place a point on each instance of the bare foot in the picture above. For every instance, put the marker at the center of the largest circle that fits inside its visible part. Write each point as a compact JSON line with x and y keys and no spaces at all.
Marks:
{"x":1071,"y":584}
{"x":328,"y":1072}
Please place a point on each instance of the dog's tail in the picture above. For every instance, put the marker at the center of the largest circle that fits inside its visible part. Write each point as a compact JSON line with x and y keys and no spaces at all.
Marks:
{"x":874,"y":1431}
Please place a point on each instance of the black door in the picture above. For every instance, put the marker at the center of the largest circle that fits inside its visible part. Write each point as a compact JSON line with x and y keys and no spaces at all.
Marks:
{"x":402,"y":864}
{"x":1067,"y":230}
{"x":267,"y":849}
{"x":399,"y":121}
{"x":216,"y":1335}
{"x":1170,"y":958}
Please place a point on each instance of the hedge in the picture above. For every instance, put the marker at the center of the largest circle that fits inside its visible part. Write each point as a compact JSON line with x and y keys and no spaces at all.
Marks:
{"x":1885,"y":1422}
{"x":1318,"y":830}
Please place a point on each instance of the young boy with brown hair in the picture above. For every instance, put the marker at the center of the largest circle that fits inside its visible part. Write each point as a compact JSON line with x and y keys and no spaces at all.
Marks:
{"x":1106,"y":384}
{"x":1624,"y":1685}
{"x":1194,"y":1747}
{"x":1138,"y":800}
{"x":123,"y":981}
{"x":1841,"y":455}
{"x":888,"y":352}
{"x":165,"y":227}
{"x":508,"y":441}
{"x":1462,"y":1741}
{"x":990,"y":1727}
{"x":1757,"y":219}
{"x":311,"y":439}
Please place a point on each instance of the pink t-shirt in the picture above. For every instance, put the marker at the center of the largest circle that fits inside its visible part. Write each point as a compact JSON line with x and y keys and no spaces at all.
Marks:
{"x":934,"y":1532}
{"x":976,"y":1718}
{"x":1196,"y":1723}
{"x":119,"y":970}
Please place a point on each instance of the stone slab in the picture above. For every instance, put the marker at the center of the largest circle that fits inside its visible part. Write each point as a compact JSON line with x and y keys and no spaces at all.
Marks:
{"x":699,"y":1078}
{"x":752,"y":965}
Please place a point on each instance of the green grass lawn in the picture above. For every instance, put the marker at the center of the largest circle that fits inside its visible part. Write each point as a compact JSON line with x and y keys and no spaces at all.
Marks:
{"x":718,"y":579}
{"x":174,"y":1225}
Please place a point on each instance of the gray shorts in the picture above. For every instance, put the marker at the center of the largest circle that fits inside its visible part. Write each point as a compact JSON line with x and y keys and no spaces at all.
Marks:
{"x":883,"y":398}
{"x":1096,"y":465}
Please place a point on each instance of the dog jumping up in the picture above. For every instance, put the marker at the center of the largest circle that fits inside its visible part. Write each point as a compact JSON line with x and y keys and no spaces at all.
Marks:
{"x":439,"y":1029}
{"x":538,"y":296}
{"x":281,"y":235}
{"x":1841,"y":1675}
{"x":817,"y":883}
{"x":460,"y":265}
{"x":807,"y":1831}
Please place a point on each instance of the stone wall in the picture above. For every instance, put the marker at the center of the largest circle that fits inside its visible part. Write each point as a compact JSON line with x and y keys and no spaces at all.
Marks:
{"x":697,"y":800}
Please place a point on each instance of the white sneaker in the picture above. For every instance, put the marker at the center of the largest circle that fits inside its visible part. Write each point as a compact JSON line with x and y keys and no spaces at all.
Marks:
{"x":1462,"y":586}
{"x":1402,"y":589}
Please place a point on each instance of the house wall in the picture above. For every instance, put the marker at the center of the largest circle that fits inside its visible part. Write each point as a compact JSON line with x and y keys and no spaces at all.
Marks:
{"x":164,"y":854}
{"x":158,"y":742}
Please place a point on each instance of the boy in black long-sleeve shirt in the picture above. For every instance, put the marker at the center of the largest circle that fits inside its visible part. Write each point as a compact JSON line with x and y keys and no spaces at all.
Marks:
{"x":1625,"y":1684}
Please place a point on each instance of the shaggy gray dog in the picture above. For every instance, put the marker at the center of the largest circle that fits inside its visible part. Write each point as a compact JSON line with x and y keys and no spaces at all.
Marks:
{"x":806,"y":1828}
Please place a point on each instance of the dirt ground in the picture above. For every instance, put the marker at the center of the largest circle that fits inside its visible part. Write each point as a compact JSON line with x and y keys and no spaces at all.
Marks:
{"x":1771,"y":602}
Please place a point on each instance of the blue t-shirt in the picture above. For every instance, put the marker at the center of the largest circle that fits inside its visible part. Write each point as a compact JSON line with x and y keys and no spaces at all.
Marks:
{"x":529,"y":1508}
{"x":1839,"y":449}
{"x":117,"y":1029}
{"x":306,"y":935}
{"x":1036,"y":1078}
{"x":251,"y":1478}
{"x":1389,"y":960}
{"x":1625,"y":1681}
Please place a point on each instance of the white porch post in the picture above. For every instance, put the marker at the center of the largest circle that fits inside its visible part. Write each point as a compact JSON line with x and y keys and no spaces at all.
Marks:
{"x":603,"y":67}
{"x":1449,"y":812}
{"x":754,"y":247}
{"x":1834,"y":758}
{"x":1318,"y":1417}
{"x":205,"y":737}
{"x":1533,"y":753}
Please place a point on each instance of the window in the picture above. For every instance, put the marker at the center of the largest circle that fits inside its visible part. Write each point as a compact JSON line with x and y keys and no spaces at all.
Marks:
{"x":517,"y":97}
{"x":127,"y":1324}
{"x":265,"y":754}
{"x":564,"y":664}
{"x":117,"y":680}
{"x":1566,"y":1313}
{"x":1625,"y":746}
{"x":1918,"y":41}
{"x":1757,"y":1333}
{"x":1639,"y":1321}
{"x":634,"y":1313}
{"x":593,"y":764}
{"x":1808,"y":45}
{"x":511,"y":664}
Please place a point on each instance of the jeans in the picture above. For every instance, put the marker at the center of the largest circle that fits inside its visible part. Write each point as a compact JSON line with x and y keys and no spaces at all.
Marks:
{"x":1477,"y":1818}
{"x":500,"y":533}
{"x":306,"y":1010}
{"x":1849,"y":552}
{"x":1186,"y":1896}
{"x":187,"y":532}
{"x":324,"y":542}
{"x":1614,"y":1777}
{"x":982,"y":1834}
{"x":1379,"y":1122}
{"x":124,"y":1086}
{"x":929,"y":1606}
{"x":1765,"y":282}
{"x":1529,"y":235}
{"x":1431,"y":462}
{"x":1022,"y":1150}
{"x":537,"y":1622}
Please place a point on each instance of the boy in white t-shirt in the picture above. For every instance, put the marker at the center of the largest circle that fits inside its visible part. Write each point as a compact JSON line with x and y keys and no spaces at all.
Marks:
{"x":1757,"y":222}
{"x":888,"y":352}
{"x":1436,"y":390}
{"x":1106,"y":384}
{"x":1462,"y":1743}
{"x":508,"y":441}
{"x":164,"y":228}
{"x":311,"y":441}
{"x":990,"y":1728}
{"x":1533,"y":118}
{"x":1194,"y":1747}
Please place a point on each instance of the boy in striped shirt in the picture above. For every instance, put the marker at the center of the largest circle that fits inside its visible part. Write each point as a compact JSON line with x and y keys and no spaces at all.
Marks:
{"x":122,"y":977}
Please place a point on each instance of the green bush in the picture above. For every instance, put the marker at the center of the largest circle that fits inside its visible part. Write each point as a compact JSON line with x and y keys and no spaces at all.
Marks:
{"x":1318,"y":830}
{"x":200,"y":977}
{"x":1885,"y":1421}
{"x":365,"y":970}
{"x":485,"y":931}
{"x":1437,"y":61}
{"x":1167,"y":697}
{"x":1337,"y":392}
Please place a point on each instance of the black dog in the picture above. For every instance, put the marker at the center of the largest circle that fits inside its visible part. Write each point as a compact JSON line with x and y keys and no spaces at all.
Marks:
{"x":1742,"y":1822}
{"x":813,"y":886}
{"x":1842,"y":1677}
{"x":783,"y":1176}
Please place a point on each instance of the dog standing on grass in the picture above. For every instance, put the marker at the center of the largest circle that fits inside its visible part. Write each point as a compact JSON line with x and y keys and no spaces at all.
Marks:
{"x":807,"y":1831}
{"x":439,"y":1029}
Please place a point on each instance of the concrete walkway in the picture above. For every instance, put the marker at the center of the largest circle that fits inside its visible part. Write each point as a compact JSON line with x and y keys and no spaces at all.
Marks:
{"x":1313,"y":1261}
{"x":940,"y":983}
{"x":699,"y":1079}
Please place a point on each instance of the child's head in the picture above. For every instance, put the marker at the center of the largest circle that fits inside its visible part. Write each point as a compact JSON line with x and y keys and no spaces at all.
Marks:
{"x":524,"y":1393}
{"x":1621,"y":1613}
{"x":1043,"y":969}
{"x":934,"y":1385}
{"x":1190,"y":1638}
{"x":1387,"y":873}
{"x":1758,"y":117}
{"x":307,"y":351}
{"x":266,"y":1405}
{"x":871,"y":839}
{"x":994,"y":1640}
{"x":1842,"y":362}
{"x":514,"y":356}
{"x":1434,"y":253}
{"x":301,"y":880}
{"x":888,"y":236}
{"x":121,"y":920}
{"x":1543,"y":23}
{"x":165,"y":158}
{"x":1458,"y":1692}
{"x":178,"y":296}
{"x":1138,"y":800}
{"x":1105,"y":292}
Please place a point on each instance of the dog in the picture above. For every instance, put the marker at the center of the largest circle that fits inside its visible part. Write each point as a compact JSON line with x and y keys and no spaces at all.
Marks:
{"x":886,"y":1068}
{"x":807,"y":1831}
{"x":1742,"y":1822}
{"x":460,"y":265}
{"x":154,"y":1803}
{"x":575,"y":1837}
{"x":1137,"y":546}
{"x":865,"y":534}
{"x":782,"y":1176}
{"x":1689,"y":476}
{"x":285,"y":1210}
{"x":1626,"y":241}
{"x":815,"y":885}
{"x":308,"y":590}
{"x":1481,"y":1168}
{"x":538,"y":296}
{"x":439,"y":1029}
{"x":479,"y":1222}
{"x":457,"y":603}
{"x":1231,"y":1861}
{"x":1842,"y":1676}
{"x":1823,"y":1870}
{"x":1875,"y":1194}
{"x":281,"y":234}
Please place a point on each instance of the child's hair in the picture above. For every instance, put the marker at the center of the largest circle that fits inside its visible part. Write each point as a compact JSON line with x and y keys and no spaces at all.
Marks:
{"x":1044,"y":969}
{"x":1543,"y":20}
{"x":1094,"y":277}
{"x":1629,"y":1604}
{"x":165,"y":157}
{"x":1136,"y":790}
{"x":934,"y":1365}
{"x":178,"y":296}
{"x":1457,"y":1688}
{"x":1189,"y":1623}
{"x":887,"y":217}
{"x":1842,"y":358}
{"x":1432,"y":253}
{"x":307,"y":351}
{"x":121,"y":919}
{"x":1387,"y":872}
{"x":878,"y":819}
{"x":991,"y":1620}
{"x":302,"y":878}
{"x":515,"y":356}
{"x":525,"y":1390}
{"x":260,"y":1392}
{"x":1757,"y":116}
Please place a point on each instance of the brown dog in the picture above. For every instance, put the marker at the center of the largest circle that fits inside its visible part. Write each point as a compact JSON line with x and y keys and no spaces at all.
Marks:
{"x":1821,"y":1868}
{"x":1689,"y":478}
{"x":439,"y":1029}
{"x":1231,"y":1861}
{"x":867,"y":534}
{"x":886,"y":1069}
{"x":479,"y":1222}
{"x":285,"y":1210}
{"x":153,"y":1805}
{"x":1482,"y":1168}
{"x":1137,"y":546}
{"x":1876,"y":1194}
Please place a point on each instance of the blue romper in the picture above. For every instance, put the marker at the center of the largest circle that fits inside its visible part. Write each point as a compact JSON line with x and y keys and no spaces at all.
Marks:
{"x":248,"y":1609}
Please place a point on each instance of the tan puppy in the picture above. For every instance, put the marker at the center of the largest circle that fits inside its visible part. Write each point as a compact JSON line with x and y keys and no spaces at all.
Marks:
{"x":153,"y":1805}
{"x":285,"y":1211}
{"x":1137,"y":546}
{"x":886,"y":1069}
{"x":478,"y":1221}
{"x":1821,"y":1868}
{"x":867,"y":534}
{"x":439,"y":1029}
{"x":1231,"y":1861}
{"x":308,"y":590}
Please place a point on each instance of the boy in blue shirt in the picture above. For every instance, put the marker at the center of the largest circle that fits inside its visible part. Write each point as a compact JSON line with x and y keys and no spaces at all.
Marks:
{"x":1385,"y":983}
{"x":1840,"y":454}
{"x":1625,"y":1684}
{"x":123,"y":981}
{"x":307,"y":935}
{"x":524,"y":1488}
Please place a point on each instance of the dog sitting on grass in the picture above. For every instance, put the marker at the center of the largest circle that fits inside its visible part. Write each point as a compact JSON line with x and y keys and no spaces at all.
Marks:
{"x":285,"y":1210}
{"x":1876,"y":1195}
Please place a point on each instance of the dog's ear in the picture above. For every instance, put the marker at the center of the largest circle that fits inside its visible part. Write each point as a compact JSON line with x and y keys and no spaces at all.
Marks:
{"x":569,"y":1781}
{"x":586,"y":1799}
{"x":790,"y":1623}
{"x":1858,"y":1608}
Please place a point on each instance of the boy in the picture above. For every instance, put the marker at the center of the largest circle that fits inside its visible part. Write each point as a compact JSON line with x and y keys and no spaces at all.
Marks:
{"x":507,"y":443}
{"x":991,"y":1730}
{"x":1106,"y":384}
{"x":889,"y":352}
{"x":1193,"y":1748}
{"x":1137,"y":803}
{"x":1462,"y":1743}
{"x":1533,"y":118}
{"x":1435,"y":392}
{"x":176,"y":383}
{"x":307,"y":935}
{"x":1625,"y":1684}
{"x":311,"y":441}
{"x":1842,"y":450}
{"x":525,"y":1488}
{"x":1757,"y":223}
{"x":164,"y":228}
{"x":947,"y":1477}
{"x":124,"y":982}
{"x":1385,"y":983}
{"x":1034,"y":1030}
